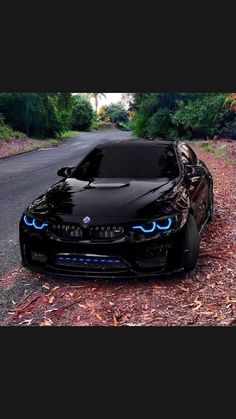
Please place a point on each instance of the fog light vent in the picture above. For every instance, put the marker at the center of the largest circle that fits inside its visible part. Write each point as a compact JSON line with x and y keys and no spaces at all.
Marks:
{"x":38,"y":257}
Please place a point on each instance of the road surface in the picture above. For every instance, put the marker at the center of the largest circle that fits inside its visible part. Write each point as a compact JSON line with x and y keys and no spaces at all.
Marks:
{"x":24,"y":177}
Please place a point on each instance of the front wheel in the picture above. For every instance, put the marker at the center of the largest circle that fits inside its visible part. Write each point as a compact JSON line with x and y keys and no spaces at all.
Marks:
{"x":190,"y":243}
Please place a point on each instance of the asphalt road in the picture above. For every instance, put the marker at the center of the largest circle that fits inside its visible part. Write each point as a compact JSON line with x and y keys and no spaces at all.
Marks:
{"x":24,"y":177}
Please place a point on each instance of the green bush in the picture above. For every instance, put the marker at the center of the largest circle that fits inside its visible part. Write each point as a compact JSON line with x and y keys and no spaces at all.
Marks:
{"x":160,"y":125}
{"x":187,"y":115}
{"x":124,"y":127}
{"x":36,"y":114}
{"x":99,"y":125}
{"x":203,"y":117}
{"x":154,"y":114}
{"x":116,"y":113}
{"x":5,"y":130}
{"x":140,"y":124}
{"x":82,"y":113}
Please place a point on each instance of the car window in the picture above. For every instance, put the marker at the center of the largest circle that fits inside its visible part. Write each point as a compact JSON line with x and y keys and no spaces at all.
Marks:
{"x":187,"y":155}
{"x":125,"y":161}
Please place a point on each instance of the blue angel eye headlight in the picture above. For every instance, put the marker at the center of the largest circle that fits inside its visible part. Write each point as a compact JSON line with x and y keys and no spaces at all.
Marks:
{"x":146,"y":230}
{"x":32,"y":222}
{"x":155,"y":226}
{"x":166,"y":225}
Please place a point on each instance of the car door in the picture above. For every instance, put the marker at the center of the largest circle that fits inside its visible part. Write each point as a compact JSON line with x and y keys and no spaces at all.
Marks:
{"x":198,"y":186}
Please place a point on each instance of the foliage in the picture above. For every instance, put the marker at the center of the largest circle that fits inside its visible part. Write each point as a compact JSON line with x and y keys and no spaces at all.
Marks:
{"x":115,"y":113}
{"x":204,"y":116}
{"x":5,"y":130}
{"x":82,"y":113}
{"x":232,"y":100}
{"x":70,"y":134}
{"x":124,"y":126}
{"x":189,"y":115}
{"x":154,"y":114}
{"x":38,"y":115}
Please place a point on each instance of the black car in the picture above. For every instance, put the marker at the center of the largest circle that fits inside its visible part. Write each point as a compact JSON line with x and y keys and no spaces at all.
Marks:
{"x":130,"y":208}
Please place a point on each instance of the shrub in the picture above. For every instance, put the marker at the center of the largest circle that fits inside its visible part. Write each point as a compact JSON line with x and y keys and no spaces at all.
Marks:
{"x":187,"y":115}
{"x":154,"y":114}
{"x":5,"y":130}
{"x":203,"y":117}
{"x":115,"y":113}
{"x":82,"y":113}
{"x":139,"y":125}
{"x":35,"y":114}
{"x":160,"y":125}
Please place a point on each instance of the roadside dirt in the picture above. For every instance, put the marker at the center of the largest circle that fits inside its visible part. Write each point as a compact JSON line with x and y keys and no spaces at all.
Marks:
{"x":16,"y":146}
{"x":204,"y":298}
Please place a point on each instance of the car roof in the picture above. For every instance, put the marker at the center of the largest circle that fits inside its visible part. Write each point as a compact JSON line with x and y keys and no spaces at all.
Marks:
{"x":136,"y":142}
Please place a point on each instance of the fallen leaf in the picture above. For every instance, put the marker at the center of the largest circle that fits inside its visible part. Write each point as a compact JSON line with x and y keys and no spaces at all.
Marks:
{"x":208,"y":313}
{"x":51,"y":300}
{"x":182,"y":288}
{"x":46,"y":287}
{"x":46,"y":322}
{"x":55,"y":288}
{"x":196,"y":301}
{"x":26,"y":322}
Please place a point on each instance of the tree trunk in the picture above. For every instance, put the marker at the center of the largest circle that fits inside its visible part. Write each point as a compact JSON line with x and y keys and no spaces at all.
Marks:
{"x":96,"y":103}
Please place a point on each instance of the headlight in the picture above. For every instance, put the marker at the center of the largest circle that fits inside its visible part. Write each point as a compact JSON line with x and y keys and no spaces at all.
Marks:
{"x":159,"y":226}
{"x":155,"y":225}
{"x":32,"y":222}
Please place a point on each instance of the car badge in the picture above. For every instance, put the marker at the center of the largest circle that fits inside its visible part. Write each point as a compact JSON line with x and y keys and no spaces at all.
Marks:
{"x":86,"y":220}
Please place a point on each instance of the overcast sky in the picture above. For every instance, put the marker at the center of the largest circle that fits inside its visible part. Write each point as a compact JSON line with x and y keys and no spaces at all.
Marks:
{"x":110,"y":98}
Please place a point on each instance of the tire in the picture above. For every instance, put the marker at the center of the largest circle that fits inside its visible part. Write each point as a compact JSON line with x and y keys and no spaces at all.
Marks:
{"x":190,"y":242}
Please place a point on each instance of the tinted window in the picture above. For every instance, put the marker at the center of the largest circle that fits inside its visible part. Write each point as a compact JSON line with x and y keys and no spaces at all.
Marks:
{"x":135,"y":162}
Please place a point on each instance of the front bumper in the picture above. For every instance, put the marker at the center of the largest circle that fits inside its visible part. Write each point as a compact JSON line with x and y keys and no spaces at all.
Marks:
{"x":42,"y":253}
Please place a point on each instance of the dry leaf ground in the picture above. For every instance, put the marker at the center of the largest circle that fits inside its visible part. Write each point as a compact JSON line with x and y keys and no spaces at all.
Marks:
{"x":204,"y":298}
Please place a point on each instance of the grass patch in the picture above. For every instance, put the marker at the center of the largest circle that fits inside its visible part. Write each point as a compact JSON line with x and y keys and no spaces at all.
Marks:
{"x":124,"y":126}
{"x":220,"y":151}
{"x":96,"y":125}
{"x":224,"y":150}
{"x":208,"y":148}
{"x":70,"y":134}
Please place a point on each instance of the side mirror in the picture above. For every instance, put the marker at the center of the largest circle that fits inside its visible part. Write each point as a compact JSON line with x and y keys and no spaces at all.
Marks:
{"x":195,"y":171}
{"x":65,"y":171}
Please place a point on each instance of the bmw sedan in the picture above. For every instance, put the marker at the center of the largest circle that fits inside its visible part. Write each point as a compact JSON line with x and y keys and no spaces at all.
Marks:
{"x":130,"y":208}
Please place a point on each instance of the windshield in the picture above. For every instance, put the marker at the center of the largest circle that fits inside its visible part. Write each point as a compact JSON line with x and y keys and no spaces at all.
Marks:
{"x":129,"y":161}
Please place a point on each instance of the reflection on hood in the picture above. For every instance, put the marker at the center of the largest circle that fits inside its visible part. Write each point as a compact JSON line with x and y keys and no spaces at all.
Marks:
{"x":118,"y":198}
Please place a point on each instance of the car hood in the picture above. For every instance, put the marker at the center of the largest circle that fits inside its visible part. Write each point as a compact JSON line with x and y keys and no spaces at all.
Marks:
{"x":107,"y":199}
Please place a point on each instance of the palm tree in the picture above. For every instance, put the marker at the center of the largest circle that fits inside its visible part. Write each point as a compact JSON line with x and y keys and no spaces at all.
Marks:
{"x":96,"y":97}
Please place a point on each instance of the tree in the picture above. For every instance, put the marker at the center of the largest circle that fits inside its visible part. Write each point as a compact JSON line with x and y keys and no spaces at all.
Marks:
{"x":96,"y":97}
{"x":82,"y":113}
{"x":5,"y":130}
{"x":37,"y":115}
{"x":116,"y":113}
{"x":187,"y":115}
{"x":207,"y":115}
